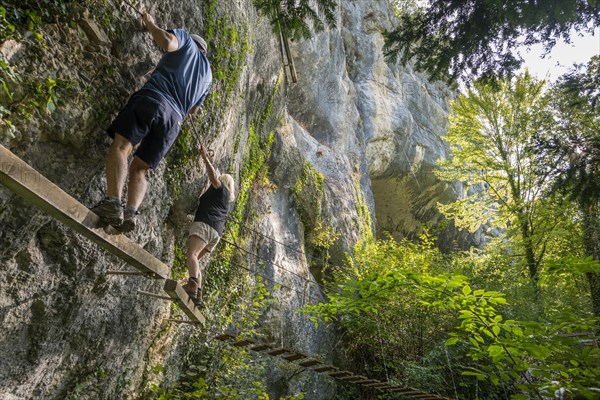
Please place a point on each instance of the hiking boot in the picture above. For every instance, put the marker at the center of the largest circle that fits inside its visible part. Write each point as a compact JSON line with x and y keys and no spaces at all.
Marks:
{"x":109,"y":211}
{"x":129,"y":221}
{"x":192,"y":288}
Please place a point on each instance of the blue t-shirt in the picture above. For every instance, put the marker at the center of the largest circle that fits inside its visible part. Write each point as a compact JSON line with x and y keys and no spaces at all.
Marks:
{"x":182,"y":77}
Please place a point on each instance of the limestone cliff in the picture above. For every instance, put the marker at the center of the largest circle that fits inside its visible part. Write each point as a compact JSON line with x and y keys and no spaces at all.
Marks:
{"x":348,"y":149}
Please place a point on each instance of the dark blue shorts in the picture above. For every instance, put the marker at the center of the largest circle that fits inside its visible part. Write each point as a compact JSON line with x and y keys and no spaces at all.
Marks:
{"x":149,"y":120}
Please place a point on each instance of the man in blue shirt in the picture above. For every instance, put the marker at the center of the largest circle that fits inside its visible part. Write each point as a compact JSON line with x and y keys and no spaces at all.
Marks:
{"x":152,"y":118}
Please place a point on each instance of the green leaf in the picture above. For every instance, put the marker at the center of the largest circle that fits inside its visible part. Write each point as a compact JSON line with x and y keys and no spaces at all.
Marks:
{"x":466,"y":290}
{"x":478,"y":375}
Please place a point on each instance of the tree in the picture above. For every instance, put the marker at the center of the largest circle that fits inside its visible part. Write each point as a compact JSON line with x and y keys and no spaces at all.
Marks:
{"x":458,"y":38}
{"x":294,"y":17}
{"x":491,"y":136}
{"x":571,"y":155}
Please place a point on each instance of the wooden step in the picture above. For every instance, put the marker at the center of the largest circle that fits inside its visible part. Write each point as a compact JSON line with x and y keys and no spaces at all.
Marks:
{"x":26,"y":182}
{"x":181,"y":298}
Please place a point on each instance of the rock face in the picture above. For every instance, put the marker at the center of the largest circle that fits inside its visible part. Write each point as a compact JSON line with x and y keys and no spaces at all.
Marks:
{"x":371,"y":129}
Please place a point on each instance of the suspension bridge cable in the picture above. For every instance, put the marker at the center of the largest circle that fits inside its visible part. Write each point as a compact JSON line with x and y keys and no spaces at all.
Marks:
{"x":306,"y":280}
{"x":234,"y":244}
{"x":291,"y":247}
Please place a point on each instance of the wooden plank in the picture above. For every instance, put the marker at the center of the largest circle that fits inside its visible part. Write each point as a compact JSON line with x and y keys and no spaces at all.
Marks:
{"x":400,"y":388}
{"x":294,"y":356}
{"x":353,"y":379}
{"x":368,"y":382}
{"x":377,"y":385}
{"x":325,"y":368}
{"x":385,"y":387}
{"x":340,"y":374}
{"x":243,"y":343}
{"x":26,"y":182}
{"x":181,"y":298}
{"x":261,"y":347}
{"x":309,"y":363}
{"x":225,"y":337}
{"x":407,"y":391}
{"x":278,"y":351}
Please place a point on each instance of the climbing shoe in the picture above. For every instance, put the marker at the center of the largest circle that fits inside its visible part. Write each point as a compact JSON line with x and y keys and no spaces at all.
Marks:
{"x":129,"y":221}
{"x":109,"y":211}
{"x":192,"y":288}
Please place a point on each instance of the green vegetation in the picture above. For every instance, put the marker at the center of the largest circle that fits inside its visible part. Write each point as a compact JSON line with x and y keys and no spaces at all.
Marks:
{"x":228,"y":48}
{"x":364,"y":214}
{"x":517,"y":318}
{"x":295,"y":18}
{"x":399,"y":302}
{"x":28,"y":93}
{"x":307,"y":195}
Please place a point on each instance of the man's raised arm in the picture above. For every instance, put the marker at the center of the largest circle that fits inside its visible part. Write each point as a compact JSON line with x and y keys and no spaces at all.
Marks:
{"x":210,"y":170}
{"x":166,"y":40}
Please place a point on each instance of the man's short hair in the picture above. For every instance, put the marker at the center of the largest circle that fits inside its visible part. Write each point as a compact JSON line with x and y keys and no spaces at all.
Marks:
{"x":200,"y":42}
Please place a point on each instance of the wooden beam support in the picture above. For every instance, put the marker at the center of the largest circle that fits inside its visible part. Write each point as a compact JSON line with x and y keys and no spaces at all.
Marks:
{"x":181,"y":298}
{"x":26,"y":182}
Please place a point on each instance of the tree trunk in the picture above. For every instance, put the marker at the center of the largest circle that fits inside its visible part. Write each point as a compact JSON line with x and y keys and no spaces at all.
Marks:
{"x":532,"y":264}
{"x":591,"y":241}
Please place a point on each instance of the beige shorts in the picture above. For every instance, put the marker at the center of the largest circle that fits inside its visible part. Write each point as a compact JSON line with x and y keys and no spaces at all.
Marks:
{"x":206,"y":233}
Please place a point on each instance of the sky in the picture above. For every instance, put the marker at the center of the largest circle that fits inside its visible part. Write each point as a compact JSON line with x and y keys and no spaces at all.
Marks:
{"x":562,"y":56}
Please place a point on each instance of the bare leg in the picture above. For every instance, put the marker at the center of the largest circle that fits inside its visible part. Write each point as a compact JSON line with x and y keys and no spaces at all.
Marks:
{"x":195,"y":250}
{"x":136,"y":190}
{"x":116,"y":165}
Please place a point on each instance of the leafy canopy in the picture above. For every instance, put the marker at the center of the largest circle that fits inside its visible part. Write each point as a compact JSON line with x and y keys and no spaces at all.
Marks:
{"x":295,"y":17}
{"x":458,"y":39}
